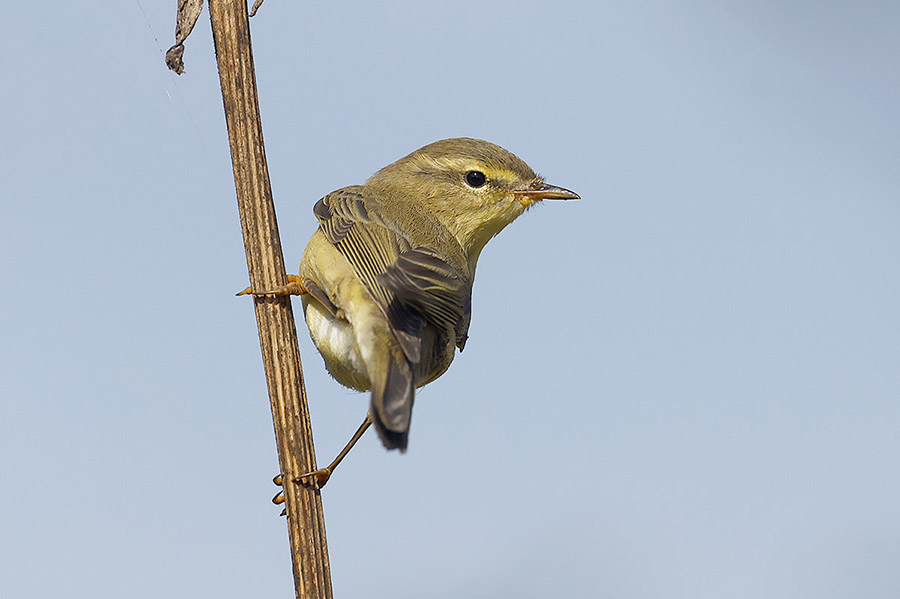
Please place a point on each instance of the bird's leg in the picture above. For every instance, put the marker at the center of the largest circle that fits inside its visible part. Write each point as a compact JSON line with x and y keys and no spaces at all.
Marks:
{"x":322,"y":475}
{"x":296,"y":285}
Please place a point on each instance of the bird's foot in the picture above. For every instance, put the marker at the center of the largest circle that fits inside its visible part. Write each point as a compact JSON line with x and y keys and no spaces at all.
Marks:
{"x":294,"y":286}
{"x":315,"y":479}
{"x":279,"y":497}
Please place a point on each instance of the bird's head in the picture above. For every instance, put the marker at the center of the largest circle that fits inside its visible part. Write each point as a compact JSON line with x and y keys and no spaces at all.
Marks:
{"x":473,"y":187}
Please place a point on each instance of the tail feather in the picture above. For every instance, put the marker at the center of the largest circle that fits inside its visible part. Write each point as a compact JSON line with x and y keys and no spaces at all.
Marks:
{"x":391,"y":439}
{"x":392,"y":401}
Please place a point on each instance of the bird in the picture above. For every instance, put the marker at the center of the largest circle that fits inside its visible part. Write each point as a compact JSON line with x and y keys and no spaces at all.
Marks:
{"x":386,"y":278}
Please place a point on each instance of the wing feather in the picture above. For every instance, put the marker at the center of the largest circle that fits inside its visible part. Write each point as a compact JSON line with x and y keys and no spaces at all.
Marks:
{"x":415,"y":285}
{"x":412,"y":284}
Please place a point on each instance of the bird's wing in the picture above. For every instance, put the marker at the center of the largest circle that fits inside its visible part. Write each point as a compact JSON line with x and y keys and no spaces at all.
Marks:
{"x":412,"y":284}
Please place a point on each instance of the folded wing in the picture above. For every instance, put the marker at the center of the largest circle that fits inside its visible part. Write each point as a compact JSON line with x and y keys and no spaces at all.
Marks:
{"x":415,"y":286}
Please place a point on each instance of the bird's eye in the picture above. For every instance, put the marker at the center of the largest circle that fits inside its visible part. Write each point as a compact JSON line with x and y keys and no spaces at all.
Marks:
{"x":475,"y":178}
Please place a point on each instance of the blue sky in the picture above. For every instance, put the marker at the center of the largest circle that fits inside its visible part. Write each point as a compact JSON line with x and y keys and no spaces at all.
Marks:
{"x":685,"y":385}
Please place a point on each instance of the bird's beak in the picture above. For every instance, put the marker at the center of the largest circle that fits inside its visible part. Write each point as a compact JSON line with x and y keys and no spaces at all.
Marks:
{"x":542,"y":191}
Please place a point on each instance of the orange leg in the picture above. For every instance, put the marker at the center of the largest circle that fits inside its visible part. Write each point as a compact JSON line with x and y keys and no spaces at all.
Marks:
{"x":295,"y":286}
{"x":321,"y":476}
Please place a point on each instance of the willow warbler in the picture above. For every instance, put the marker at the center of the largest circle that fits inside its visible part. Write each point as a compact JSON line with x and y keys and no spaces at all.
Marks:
{"x":387,"y":278}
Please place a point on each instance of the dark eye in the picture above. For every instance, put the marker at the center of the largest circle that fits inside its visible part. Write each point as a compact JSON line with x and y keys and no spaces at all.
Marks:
{"x":475,"y":178}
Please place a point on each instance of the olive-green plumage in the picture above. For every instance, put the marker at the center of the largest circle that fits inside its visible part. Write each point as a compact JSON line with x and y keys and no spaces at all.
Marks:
{"x":389,"y":271}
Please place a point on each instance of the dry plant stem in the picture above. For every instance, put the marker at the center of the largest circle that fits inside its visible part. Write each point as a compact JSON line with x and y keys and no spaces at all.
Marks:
{"x":277,"y":333}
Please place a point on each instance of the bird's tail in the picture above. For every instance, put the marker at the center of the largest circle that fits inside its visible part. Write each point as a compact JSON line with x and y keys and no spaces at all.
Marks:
{"x":393,"y":393}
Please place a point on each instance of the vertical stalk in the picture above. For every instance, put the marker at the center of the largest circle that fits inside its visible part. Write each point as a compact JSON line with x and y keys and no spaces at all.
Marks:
{"x":277,"y":332}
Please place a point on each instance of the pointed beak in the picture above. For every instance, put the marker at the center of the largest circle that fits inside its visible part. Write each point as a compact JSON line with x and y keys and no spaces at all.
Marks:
{"x":542,"y":191}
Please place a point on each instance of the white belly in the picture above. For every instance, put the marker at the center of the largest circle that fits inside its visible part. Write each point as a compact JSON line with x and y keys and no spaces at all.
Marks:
{"x":336,"y":342}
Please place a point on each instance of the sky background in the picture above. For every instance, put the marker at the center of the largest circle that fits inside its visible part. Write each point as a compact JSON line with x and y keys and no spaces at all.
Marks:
{"x":685,"y":385}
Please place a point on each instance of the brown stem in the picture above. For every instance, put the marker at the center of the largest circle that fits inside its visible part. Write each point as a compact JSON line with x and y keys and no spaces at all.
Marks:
{"x":277,"y":333}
